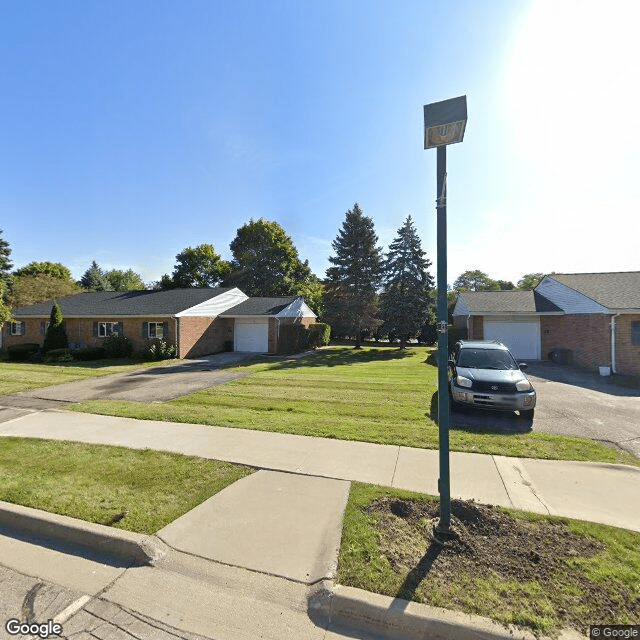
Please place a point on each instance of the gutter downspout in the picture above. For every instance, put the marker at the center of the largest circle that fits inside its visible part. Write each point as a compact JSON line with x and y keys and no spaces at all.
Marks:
{"x":468,"y":327}
{"x":613,"y":342}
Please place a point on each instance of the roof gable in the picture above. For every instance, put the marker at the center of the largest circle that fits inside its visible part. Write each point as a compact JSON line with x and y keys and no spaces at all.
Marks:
{"x":165,"y":302}
{"x":503,"y":302}
{"x":260,"y":307}
{"x":615,"y":290}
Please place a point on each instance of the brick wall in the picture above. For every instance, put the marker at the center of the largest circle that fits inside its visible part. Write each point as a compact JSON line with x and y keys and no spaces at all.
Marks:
{"x":80,"y":331}
{"x":476,"y":328}
{"x":587,"y":336}
{"x":627,"y":354}
{"x":203,"y":336}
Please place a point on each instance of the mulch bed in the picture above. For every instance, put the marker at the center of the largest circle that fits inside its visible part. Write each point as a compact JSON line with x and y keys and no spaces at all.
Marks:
{"x":492,"y":544}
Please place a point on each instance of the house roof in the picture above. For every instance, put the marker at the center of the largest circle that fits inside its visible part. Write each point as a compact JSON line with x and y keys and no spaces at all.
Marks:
{"x":260,"y":307}
{"x":617,"y":290}
{"x":498,"y":302}
{"x":124,"y":303}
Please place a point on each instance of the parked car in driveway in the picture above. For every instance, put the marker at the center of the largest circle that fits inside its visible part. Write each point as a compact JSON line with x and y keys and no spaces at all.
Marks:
{"x":483,"y":374}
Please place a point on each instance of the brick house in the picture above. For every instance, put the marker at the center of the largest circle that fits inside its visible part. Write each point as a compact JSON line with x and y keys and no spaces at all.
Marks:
{"x":197,"y":321}
{"x":594,"y":318}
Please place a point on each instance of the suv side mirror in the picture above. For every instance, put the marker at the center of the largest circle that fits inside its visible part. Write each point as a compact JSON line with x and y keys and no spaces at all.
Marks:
{"x":523,"y":366}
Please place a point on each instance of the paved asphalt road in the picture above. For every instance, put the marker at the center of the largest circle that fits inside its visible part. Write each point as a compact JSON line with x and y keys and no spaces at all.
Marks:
{"x":570,"y":402}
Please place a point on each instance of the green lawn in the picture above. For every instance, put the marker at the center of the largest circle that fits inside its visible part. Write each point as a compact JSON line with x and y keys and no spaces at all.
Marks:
{"x":379,"y":395}
{"x":538,"y":572}
{"x":23,"y":376}
{"x":99,"y":483}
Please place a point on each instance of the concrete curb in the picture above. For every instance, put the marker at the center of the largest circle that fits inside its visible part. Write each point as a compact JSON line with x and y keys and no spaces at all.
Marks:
{"x":116,"y":544}
{"x":347,"y":608}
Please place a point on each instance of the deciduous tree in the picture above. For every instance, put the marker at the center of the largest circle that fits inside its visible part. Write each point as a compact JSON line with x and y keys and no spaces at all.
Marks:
{"x":197,"y":266}
{"x":53,"y":269}
{"x":124,"y":280}
{"x":266,"y":262}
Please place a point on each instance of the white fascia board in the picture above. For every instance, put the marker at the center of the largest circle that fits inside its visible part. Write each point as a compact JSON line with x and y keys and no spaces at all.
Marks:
{"x":297,"y":309}
{"x":461,"y":308}
{"x":572,"y":302}
{"x":215,"y":306}
{"x":516,"y":313}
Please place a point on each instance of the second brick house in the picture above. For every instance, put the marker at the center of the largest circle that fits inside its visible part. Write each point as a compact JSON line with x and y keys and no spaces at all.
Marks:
{"x":591,"y":319}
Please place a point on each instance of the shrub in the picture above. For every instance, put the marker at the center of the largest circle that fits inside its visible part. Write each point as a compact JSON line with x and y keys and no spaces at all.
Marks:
{"x":319,"y":335}
{"x":58,"y":355}
{"x":56,"y":336}
{"x":159,"y":350}
{"x":456,"y":334}
{"x":118,"y":346}
{"x":89,"y":353}
{"x":22,"y":352}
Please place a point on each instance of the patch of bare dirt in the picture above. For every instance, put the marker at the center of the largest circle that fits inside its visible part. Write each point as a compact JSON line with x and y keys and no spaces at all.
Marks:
{"x":491,"y":543}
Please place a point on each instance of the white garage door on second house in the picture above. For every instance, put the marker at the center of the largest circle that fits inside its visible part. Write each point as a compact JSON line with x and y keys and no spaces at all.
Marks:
{"x":521,"y":335}
{"x":251,"y":335}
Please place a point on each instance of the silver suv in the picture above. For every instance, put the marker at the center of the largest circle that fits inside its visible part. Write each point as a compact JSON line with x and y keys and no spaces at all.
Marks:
{"x":484,"y":374}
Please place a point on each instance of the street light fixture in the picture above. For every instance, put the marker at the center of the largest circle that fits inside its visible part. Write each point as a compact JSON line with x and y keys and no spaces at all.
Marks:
{"x":444,"y":123}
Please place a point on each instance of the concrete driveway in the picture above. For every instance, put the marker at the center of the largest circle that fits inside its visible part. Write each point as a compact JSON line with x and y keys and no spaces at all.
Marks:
{"x":153,"y":384}
{"x":572,"y":403}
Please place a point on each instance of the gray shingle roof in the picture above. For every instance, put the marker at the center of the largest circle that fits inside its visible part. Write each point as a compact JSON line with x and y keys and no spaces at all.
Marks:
{"x":479,"y":302}
{"x":260,"y":307}
{"x":124,"y":303}
{"x":617,"y":290}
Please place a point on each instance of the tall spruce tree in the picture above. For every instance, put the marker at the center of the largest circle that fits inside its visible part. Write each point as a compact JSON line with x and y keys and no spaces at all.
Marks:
{"x":404,"y":303}
{"x":351,"y":295}
{"x":56,"y":336}
{"x":94,"y":279}
{"x":5,"y":263}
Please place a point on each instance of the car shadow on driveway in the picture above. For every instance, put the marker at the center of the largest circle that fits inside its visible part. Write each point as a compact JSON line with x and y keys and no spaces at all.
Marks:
{"x":543,"y":371}
{"x":482,"y":420}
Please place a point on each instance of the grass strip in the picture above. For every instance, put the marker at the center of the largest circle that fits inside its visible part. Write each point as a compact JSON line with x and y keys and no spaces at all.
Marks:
{"x":22,"y":376}
{"x":378,"y":395}
{"x":542,"y":573}
{"x":136,"y":490}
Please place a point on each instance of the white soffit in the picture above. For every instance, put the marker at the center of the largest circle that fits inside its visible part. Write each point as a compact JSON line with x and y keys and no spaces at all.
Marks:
{"x":215,"y":306}
{"x":297,"y":309}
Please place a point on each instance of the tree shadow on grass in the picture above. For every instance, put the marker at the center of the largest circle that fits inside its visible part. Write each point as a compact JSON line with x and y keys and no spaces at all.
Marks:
{"x":482,"y":420}
{"x":342,"y":356}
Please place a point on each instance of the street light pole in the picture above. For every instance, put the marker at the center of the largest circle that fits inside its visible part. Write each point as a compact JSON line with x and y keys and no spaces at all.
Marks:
{"x":444,"y":124}
{"x":444,"y":524}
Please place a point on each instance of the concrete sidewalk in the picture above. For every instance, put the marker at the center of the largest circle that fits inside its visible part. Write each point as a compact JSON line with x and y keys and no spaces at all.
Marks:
{"x":596,"y":492}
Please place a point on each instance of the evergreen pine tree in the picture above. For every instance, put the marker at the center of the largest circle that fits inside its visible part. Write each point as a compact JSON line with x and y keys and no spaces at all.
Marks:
{"x":352,"y":283}
{"x":56,"y":336}
{"x":404,"y":303}
{"x":94,"y":279}
{"x":5,"y":263}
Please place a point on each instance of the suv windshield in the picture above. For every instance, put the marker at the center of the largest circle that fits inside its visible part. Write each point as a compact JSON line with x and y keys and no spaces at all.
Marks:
{"x":486,"y":359}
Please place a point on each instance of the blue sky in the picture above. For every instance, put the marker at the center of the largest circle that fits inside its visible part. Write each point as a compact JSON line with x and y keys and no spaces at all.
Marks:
{"x":131,"y":130}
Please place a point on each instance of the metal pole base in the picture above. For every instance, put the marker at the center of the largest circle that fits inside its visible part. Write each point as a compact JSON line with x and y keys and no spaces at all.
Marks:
{"x":445,"y":535}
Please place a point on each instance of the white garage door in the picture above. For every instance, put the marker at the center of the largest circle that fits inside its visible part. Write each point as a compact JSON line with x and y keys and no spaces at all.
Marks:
{"x":250,"y":335}
{"x":521,"y":335}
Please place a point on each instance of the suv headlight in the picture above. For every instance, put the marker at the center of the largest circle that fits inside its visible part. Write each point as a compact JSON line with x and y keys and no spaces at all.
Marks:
{"x":461,"y":381}
{"x":523,"y":385}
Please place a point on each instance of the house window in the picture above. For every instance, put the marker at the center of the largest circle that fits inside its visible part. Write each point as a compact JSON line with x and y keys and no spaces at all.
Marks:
{"x":106,"y":329}
{"x":156,"y":330}
{"x":17,"y":328}
{"x":635,"y":333}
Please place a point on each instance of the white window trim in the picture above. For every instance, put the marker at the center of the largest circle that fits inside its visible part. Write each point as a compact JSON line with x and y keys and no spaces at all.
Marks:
{"x":106,"y":333}
{"x":16,"y":328}
{"x":155,"y":324}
